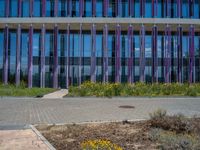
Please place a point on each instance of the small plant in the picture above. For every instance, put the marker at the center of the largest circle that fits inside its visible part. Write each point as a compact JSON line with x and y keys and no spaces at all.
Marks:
{"x":160,"y":113}
{"x":99,"y":145}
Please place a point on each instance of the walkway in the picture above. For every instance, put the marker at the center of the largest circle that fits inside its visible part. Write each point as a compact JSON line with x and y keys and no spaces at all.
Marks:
{"x":20,"y":111}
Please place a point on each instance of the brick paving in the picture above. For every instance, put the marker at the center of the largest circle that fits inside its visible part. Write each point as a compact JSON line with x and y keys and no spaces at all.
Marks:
{"x":21,"y":111}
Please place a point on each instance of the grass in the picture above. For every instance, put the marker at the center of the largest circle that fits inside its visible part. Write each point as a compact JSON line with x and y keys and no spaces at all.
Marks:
{"x":22,"y":90}
{"x":137,"y":89}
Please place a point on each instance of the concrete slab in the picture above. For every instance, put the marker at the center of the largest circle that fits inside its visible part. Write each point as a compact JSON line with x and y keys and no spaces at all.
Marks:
{"x":57,"y":94}
{"x":21,"y":140}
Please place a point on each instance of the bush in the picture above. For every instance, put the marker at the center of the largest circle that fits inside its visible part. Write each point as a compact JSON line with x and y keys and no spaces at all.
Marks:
{"x":158,"y":114}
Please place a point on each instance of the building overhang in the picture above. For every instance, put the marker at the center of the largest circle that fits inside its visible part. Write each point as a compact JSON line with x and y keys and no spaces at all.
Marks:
{"x":86,"y":22}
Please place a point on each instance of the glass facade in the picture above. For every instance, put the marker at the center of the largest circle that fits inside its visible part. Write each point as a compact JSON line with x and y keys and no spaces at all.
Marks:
{"x":69,"y":54}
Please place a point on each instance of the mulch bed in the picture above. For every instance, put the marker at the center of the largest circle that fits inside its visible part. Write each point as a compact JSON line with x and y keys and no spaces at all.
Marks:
{"x":127,"y":135}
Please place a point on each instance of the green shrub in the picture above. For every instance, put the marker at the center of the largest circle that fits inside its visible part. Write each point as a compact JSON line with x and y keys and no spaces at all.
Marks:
{"x":158,"y":114}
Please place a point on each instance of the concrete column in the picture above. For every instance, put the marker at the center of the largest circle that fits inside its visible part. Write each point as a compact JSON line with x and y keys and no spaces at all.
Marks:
{"x":105,"y":53}
{"x":19,"y":8}
{"x":55,"y":58}
{"x":43,"y":8}
{"x":142,"y":54}
{"x":42,"y":62}
{"x":180,"y":53}
{"x":7,"y":13}
{"x":93,"y":54}
{"x":31,"y":8}
{"x":191,"y":54}
{"x":68,"y":58}
{"x":56,"y":8}
{"x":154,"y":54}
{"x":93,"y":8}
{"x":131,"y":53}
{"x":81,"y":55}
{"x":5,"y":58}
{"x":17,"y":74}
{"x":167,"y":54}
{"x":117,"y":54}
{"x":30,"y":57}
{"x":105,"y":7}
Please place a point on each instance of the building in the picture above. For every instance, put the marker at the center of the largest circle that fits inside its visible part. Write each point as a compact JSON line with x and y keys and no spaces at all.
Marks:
{"x":57,"y":43}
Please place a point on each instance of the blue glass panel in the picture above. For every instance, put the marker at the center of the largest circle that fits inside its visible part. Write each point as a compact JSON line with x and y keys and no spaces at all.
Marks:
{"x":37,"y":8}
{"x":185,"y":58}
{"x":160,"y":9}
{"x":2,"y":8}
{"x":148,"y":9}
{"x":99,"y":8}
{"x":25,"y":8}
{"x":13,"y":8}
{"x":137,"y":8}
{"x":124,"y":8}
{"x":185,"y":9}
{"x":49,"y":8}
{"x":1,"y":53}
{"x":75,"y":8}
{"x":197,"y":9}
{"x":62,"y":8}
{"x":111,"y":9}
{"x":24,"y":57}
{"x":88,"y":8}
{"x":12,"y":56}
{"x":99,"y":51}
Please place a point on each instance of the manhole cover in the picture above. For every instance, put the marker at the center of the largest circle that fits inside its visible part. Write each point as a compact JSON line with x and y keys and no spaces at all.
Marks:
{"x":127,"y":106}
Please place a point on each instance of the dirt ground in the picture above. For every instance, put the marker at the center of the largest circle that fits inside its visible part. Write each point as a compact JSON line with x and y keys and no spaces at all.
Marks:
{"x":129,"y":136}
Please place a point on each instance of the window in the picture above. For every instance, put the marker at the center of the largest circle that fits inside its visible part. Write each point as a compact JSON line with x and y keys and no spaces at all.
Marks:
{"x":25,"y":8}
{"x":62,"y":8}
{"x":99,"y":8}
{"x":37,"y":8}
{"x":2,"y":8}
{"x":88,"y":8}
{"x":13,"y":8}
{"x":75,"y":8}
{"x":49,"y":8}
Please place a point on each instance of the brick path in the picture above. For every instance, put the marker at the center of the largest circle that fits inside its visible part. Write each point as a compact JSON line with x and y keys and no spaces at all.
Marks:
{"x":20,"y":111}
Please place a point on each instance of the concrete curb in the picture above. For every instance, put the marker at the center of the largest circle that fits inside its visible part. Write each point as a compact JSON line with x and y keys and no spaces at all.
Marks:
{"x":43,"y":139}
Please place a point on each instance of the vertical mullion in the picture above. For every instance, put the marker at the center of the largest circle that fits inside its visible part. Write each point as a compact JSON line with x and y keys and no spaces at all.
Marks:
{"x":117,"y":54}
{"x":43,"y":8}
{"x":55,"y":58}
{"x":93,"y":53}
{"x":56,"y":8}
{"x":81,"y":54}
{"x":42,"y":63}
{"x":17,"y":75}
{"x":180,"y":53}
{"x":30,"y":56}
{"x":7,"y":8}
{"x":19,"y":8}
{"x":191,"y":54}
{"x":93,"y":8}
{"x":68,"y":57}
{"x":31,"y":8}
{"x":105,"y":53}
{"x":105,"y":8}
{"x":179,"y":8}
{"x":5,"y":58}
{"x":154,"y":54}
{"x":142,"y":53}
{"x":130,"y":51}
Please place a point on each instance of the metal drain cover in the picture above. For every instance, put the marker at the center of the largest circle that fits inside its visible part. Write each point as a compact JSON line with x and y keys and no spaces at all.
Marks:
{"x":127,"y":106}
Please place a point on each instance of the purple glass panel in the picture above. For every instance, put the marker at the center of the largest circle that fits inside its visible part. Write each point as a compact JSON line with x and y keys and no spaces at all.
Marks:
{"x":191,"y":8}
{"x":93,"y":53}
{"x":30,"y":57}
{"x":105,"y":8}
{"x":180,"y":53}
{"x":42,"y":63}
{"x":93,"y":8}
{"x":81,"y":55}
{"x":142,"y":53}
{"x":191,"y":54}
{"x":68,"y":57}
{"x":69,"y":7}
{"x":130,"y":51}
{"x":19,"y":8}
{"x":55,"y":58}
{"x":131,"y":8}
{"x":117,"y":54}
{"x":81,"y":7}
{"x":105,"y":53}
{"x":43,"y":8}
{"x":179,"y":8}
{"x":154,"y":54}
{"x":5,"y":59}
{"x":167,"y":62}
{"x":31,"y":8}
{"x":17,"y":75}
{"x":7,"y":8}
{"x":154,"y":8}
{"x":56,"y":8}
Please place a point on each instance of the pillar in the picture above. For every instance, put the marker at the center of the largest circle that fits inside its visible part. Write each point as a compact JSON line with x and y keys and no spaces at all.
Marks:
{"x":117,"y":54}
{"x":68,"y":58}
{"x":180,"y":53}
{"x":17,"y":74}
{"x":81,"y":8}
{"x":131,"y":8}
{"x":5,"y":58}
{"x":69,"y":8}
{"x":56,"y":8}
{"x":167,"y":54}
{"x":191,"y":54}
{"x":43,"y":8}
{"x":105,"y":53}
{"x":142,"y":53}
{"x":19,"y":8}
{"x":154,"y":54}
{"x":154,"y":8}
{"x":42,"y":62}
{"x":191,"y":8}
{"x":168,"y":8}
{"x":7,"y":8}
{"x":93,"y":54}
{"x":80,"y":55}
{"x":55,"y":58}
{"x":131,"y":53}
{"x":30,"y":56}
{"x":142,"y":8}
{"x":179,"y":8}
